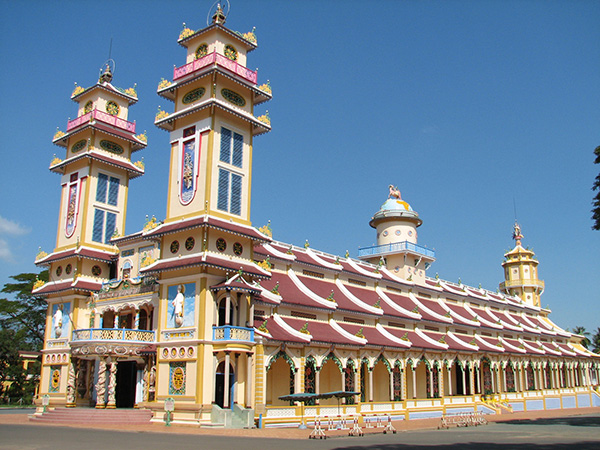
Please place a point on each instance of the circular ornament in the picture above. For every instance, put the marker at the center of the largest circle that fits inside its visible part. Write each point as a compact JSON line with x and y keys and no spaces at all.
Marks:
{"x":193,"y":95}
{"x":238,"y":248}
{"x":111,"y":146}
{"x":230,"y":52}
{"x":59,"y":271}
{"x":68,"y":269}
{"x":190,"y":351}
{"x":89,"y":106}
{"x":410,"y":233}
{"x":233,"y":97}
{"x":178,"y":378}
{"x":173,"y":352}
{"x":221,"y":244}
{"x":385,"y":233}
{"x":398,"y":232}
{"x":201,"y":51}
{"x":182,"y":352}
{"x":112,"y":108}
{"x":174,"y":246}
{"x":79,"y":145}
{"x":397,"y":269}
{"x":96,"y":271}
{"x":189,"y":243}
{"x":165,"y":352}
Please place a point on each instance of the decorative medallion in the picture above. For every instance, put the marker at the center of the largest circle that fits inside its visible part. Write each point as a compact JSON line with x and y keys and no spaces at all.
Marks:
{"x":55,"y":379}
{"x":68,"y":269}
{"x":233,"y":97}
{"x":182,"y":352}
{"x":79,"y":145}
{"x":165,"y":352}
{"x":201,"y":51}
{"x":238,"y":248}
{"x":189,"y":243}
{"x":398,"y":232}
{"x":193,"y":95}
{"x":188,"y":175}
{"x":221,"y":244}
{"x":112,"y":108}
{"x":410,"y":233}
{"x":96,"y":271}
{"x":111,"y":146}
{"x":230,"y":52}
{"x":177,"y":378}
{"x":174,"y":247}
{"x":385,"y":233}
{"x":59,"y":271}
{"x":89,"y":106}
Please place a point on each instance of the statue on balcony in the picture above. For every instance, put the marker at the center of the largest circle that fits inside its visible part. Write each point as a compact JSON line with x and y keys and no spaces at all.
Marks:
{"x":178,"y":305}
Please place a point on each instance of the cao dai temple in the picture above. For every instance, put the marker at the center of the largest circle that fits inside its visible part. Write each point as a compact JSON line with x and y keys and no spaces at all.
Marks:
{"x":213,"y":313}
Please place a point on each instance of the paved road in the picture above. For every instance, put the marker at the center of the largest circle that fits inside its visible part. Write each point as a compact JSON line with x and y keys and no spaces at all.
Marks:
{"x":580,"y":432}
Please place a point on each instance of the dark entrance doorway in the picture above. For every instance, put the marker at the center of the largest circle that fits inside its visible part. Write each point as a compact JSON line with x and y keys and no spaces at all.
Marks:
{"x":126,"y":377}
{"x":220,"y":386}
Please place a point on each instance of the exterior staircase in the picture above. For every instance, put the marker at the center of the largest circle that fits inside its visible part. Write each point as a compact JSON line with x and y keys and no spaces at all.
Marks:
{"x":94,"y":416}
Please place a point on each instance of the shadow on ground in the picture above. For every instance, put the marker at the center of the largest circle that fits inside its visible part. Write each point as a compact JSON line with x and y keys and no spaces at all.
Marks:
{"x":577,"y":421}
{"x":479,"y":446}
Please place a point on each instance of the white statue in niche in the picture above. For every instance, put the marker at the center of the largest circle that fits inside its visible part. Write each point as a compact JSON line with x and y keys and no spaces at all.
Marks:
{"x":178,"y":305}
{"x":57,"y":321}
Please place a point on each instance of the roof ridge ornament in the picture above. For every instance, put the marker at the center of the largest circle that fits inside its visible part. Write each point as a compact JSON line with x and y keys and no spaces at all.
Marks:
{"x":106,"y":75}
{"x":220,"y":13}
{"x":517,"y":236}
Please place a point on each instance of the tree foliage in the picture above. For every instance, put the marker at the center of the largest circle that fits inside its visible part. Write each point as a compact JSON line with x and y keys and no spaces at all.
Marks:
{"x":581,"y":331}
{"x":596,"y":201}
{"x":25,"y":314}
{"x":596,"y":341}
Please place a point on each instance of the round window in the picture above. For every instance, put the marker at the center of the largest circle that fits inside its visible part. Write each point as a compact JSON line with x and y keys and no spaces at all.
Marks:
{"x":112,"y":108}
{"x":68,"y":269}
{"x":201,"y":51}
{"x":238,"y":249}
{"x":59,"y":271}
{"x":96,"y":271}
{"x":221,"y":244}
{"x":88,"y":107}
{"x":174,"y":246}
{"x":231,"y":53}
{"x":189,"y":243}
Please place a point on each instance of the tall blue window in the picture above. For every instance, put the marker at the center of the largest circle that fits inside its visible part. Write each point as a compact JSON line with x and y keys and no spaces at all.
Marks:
{"x":105,"y":222}
{"x":230,"y":192}
{"x":107,"y":185}
{"x":232,"y":147}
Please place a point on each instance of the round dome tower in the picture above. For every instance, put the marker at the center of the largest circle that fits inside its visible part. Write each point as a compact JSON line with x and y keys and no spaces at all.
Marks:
{"x":396,"y":224}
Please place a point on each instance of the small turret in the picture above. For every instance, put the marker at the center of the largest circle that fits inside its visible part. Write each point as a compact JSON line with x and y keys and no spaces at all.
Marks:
{"x":520,"y":272}
{"x":396,"y":224}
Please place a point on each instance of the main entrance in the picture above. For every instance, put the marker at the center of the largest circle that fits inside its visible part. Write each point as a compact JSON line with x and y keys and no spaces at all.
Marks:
{"x":126,"y":380}
{"x":220,"y":386}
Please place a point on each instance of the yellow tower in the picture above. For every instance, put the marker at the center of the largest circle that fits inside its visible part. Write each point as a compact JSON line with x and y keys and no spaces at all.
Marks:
{"x":213,"y":124}
{"x":520,"y":273}
{"x":95,"y":174}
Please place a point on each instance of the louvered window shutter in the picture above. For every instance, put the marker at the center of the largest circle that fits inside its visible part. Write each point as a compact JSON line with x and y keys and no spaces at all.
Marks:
{"x":98,"y":225}
{"x":236,"y":194}
{"x":223,"y":190}
{"x":111,"y":222}
{"x":225,"y":155}
{"x":101,"y":191}
{"x":113,"y":191}
{"x":238,"y":150}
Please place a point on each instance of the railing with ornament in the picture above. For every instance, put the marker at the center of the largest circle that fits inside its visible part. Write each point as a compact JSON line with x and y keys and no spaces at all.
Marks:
{"x":102,"y":117}
{"x":219,"y":60}
{"x":395,"y":247}
{"x":231,"y":333}
{"x":113,"y":334}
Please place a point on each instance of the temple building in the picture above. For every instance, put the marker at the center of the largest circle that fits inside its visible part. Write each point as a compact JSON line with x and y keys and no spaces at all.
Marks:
{"x":214,"y":315}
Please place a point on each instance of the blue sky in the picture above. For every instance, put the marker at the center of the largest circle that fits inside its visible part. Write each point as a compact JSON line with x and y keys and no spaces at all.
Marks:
{"x":469,"y":107}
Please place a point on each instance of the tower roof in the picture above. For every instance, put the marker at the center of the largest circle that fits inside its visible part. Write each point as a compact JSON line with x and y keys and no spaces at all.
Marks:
{"x":394,"y":208}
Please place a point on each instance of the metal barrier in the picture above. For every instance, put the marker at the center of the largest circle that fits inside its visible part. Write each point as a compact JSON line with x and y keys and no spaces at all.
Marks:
{"x":356,"y":430}
{"x":317,"y":430}
{"x":462,"y":419}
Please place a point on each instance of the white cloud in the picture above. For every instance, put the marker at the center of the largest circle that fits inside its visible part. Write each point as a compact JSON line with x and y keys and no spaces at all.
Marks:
{"x":12,"y":228}
{"x":5,"y":253}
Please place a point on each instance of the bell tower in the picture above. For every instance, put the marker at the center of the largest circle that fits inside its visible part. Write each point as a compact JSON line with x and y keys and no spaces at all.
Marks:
{"x":521,"y":273}
{"x":213,"y":125}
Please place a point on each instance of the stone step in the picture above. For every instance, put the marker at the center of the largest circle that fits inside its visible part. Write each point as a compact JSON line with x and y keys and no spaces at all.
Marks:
{"x":90,"y":415}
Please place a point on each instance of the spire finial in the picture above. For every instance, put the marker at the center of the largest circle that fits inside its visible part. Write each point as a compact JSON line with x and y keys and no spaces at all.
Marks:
{"x":517,"y":236}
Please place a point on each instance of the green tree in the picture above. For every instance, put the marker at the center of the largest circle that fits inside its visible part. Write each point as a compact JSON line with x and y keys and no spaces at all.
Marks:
{"x":596,"y":201}
{"x":24,"y":314}
{"x":586,"y":335}
{"x":596,"y":341}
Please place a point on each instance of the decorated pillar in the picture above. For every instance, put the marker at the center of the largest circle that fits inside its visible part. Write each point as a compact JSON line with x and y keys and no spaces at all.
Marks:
{"x":249,"y":380}
{"x":449,"y":368}
{"x":430,"y":370}
{"x":136,"y":325}
{"x":71,"y":379}
{"x":414,"y":377}
{"x":478,"y":378}
{"x":112,"y":386}
{"x":227,"y":308}
{"x":526,"y":387}
{"x":116,"y":321}
{"x":493,"y":378}
{"x":370,"y":384}
{"x":101,"y":384}
{"x":226,"y":375}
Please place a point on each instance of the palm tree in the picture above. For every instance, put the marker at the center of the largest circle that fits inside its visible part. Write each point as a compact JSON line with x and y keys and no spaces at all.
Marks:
{"x":581,"y":332}
{"x":596,"y":341}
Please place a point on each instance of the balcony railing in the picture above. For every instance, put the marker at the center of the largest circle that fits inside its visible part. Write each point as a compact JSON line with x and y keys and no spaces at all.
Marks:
{"x":102,"y":117}
{"x":113,"y":334}
{"x":220,"y":60}
{"x":395,"y":247}
{"x":231,"y":333}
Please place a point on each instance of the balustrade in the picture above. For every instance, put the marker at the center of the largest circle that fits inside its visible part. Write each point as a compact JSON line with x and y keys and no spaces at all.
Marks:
{"x":102,"y":117}
{"x":219,"y":60}
{"x":113,"y":334}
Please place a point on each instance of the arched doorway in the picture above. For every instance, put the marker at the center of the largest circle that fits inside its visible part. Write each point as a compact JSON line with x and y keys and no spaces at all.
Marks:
{"x":220,"y":386}
{"x":223,"y":312}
